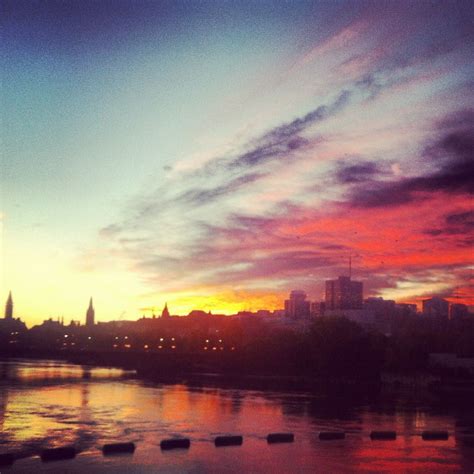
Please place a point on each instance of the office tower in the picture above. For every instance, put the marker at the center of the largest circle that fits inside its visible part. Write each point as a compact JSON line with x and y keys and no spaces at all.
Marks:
{"x":436,"y":308}
{"x":296,"y":307}
{"x":344,"y":293}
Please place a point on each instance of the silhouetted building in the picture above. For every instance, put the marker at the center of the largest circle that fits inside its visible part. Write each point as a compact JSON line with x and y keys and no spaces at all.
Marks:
{"x":10,"y":328}
{"x":406,"y":309}
{"x":383,"y":311}
{"x":297,"y":307}
{"x":197,"y":313}
{"x":165,"y":313}
{"x":436,"y":308}
{"x":458,"y":311}
{"x":364,"y":317}
{"x":90,"y":315}
{"x":317,"y":309}
{"x":344,"y":293}
{"x":9,"y":307}
{"x":380,"y":307}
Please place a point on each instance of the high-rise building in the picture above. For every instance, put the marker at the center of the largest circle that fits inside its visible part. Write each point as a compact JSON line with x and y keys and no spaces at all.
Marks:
{"x":9,"y":307}
{"x":296,"y":307}
{"x":90,"y":315}
{"x":436,"y":308}
{"x":344,"y":293}
{"x":317,"y":309}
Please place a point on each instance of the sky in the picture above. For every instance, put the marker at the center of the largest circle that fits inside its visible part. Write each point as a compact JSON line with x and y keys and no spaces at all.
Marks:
{"x":216,"y":155}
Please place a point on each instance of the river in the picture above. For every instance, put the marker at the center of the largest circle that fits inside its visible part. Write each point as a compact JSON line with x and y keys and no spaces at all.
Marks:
{"x":51,"y":403}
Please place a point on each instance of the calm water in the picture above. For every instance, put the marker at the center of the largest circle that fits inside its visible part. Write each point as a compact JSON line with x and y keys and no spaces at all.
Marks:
{"x":50,"y":403}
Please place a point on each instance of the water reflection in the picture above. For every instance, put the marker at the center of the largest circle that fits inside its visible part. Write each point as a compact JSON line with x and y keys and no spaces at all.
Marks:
{"x":3,"y":407}
{"x":28,"y":372}
{"x":50,"y":404}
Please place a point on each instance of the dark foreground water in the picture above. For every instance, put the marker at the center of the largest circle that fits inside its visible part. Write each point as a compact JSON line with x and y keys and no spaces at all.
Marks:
{"x":49,"y":403}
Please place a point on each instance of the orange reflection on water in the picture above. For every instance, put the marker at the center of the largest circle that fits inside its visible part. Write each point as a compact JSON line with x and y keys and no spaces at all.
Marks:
{"x":55,"y":371}
{"x":406,"y":454}
{"x":22,"y":423}
{"x":90,"y":412}
{"x":46,"y":401}
{"x":409,"y":452}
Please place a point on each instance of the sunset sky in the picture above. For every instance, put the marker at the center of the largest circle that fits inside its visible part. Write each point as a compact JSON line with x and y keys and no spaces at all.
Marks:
{"x":217,"y":155}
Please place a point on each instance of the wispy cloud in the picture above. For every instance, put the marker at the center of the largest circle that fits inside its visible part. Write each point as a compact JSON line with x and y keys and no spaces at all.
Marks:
{"x":451,"y":170}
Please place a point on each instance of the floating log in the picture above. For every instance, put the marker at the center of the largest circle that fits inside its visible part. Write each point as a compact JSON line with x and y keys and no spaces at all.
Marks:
{"x":7,"y":459}
{"x":58,"y":454}
{"x":228,"y":441}
{"x":383,"y":435}
{"x":434,"y":435}
{"x":331,"y":435}
{"x":117,"y":448}
{"x":175,"y":443}
{"x":280,"y":438}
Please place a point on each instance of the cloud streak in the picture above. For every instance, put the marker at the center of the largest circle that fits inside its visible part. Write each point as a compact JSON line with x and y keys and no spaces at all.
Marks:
{"x":452,"y":158}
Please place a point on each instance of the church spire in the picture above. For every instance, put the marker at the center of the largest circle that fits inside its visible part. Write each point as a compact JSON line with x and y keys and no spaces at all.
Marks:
{"x":90,"y":315}
{"x":165,"y":313}
{"x":9,"y":307}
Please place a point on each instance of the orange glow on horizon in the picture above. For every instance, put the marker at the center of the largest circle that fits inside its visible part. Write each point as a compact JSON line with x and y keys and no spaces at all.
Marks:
{"x":226,"y":302}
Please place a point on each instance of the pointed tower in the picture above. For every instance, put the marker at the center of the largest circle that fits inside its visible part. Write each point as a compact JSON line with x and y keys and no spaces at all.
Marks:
{"x":90,"y":315}
{"x":165,"y":313}
{"x":9,"y":307}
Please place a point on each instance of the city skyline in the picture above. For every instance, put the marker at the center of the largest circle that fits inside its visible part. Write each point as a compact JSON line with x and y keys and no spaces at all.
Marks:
{"x":215,"y":155}
{"x":341,"y":294}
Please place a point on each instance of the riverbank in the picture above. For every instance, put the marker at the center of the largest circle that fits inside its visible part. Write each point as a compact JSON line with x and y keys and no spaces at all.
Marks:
{"x":419,"y":384}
